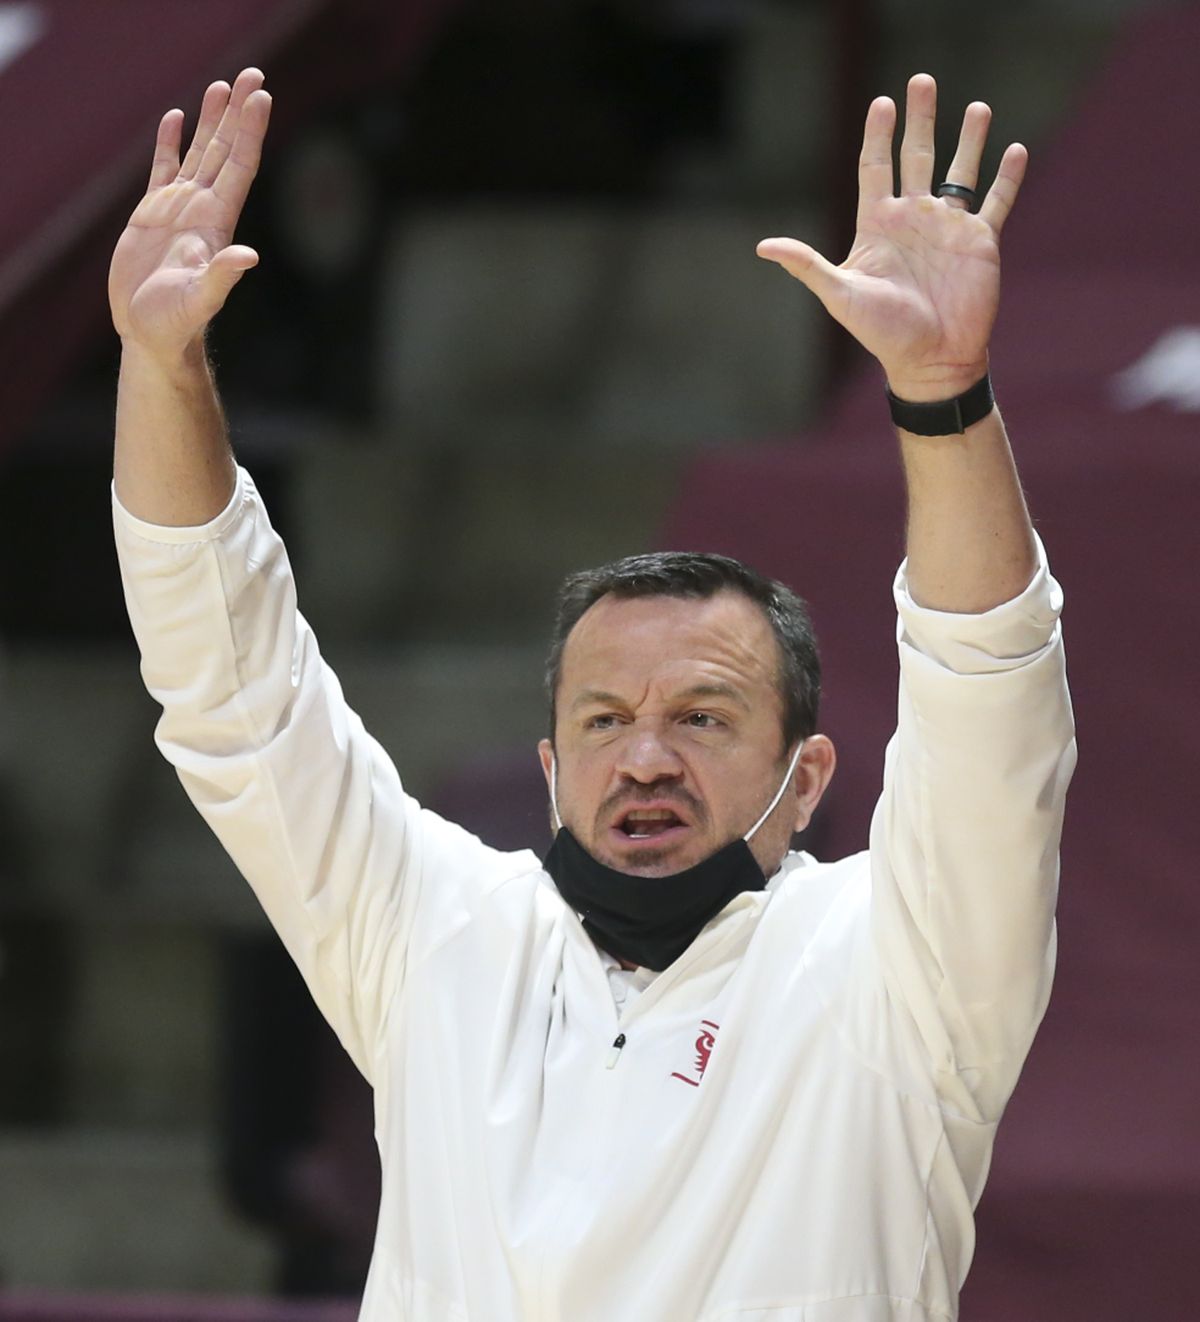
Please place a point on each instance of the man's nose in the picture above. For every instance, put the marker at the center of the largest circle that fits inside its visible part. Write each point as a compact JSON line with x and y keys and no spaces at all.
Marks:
{"x":647,"y":756}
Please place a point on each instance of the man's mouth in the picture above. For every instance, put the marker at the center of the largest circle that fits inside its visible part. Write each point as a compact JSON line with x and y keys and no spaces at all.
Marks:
{"x":648,"y":823}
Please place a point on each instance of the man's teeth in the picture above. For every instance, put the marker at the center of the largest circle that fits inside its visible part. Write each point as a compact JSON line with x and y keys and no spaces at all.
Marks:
{"x":657,"y":819}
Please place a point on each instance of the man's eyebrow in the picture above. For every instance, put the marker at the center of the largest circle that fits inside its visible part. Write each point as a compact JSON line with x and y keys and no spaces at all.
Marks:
{"x":588,"y":697}
{"x":715,"y":689}
{"x":711,"y":689}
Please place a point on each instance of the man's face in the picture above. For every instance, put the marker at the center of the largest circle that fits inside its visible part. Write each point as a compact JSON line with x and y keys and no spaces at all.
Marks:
{"x":668,"y":734}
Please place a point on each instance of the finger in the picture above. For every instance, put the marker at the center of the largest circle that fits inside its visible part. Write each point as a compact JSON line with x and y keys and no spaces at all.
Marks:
{"x":875,"y":178}
{"x":216,"y":153}
{"x":220,"y":276}
{"x":916,"y":147}
{"x":1003,"y":192}
{"x":211,"y":109}
{"x":165,"y":165}
{"x":806,"y":265}
{"x":237,"y":174}
{"x":972,"y":137}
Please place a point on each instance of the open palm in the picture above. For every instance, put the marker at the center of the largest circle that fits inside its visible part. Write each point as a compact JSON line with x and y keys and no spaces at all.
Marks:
{"x":175,"y":264}
{"x":921,"y":285}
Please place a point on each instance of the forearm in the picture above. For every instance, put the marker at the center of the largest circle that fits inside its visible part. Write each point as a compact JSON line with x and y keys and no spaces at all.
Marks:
{"x":970,"y":542}
{"x":172,"y":463}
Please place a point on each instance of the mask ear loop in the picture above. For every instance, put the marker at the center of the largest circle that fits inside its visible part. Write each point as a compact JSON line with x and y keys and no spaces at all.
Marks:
{"x":779,"y":792}
{"x":554,"y":792}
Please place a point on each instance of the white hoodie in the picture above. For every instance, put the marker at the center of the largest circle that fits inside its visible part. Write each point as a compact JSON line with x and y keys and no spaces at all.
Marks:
{"x":799,"y":1121}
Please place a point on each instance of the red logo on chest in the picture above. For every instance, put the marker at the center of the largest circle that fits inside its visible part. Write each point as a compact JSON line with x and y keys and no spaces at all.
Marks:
{"x":704,"y":1046}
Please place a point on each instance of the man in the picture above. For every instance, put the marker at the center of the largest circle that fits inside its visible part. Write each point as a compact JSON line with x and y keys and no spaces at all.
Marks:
{"x":677,"y":1072}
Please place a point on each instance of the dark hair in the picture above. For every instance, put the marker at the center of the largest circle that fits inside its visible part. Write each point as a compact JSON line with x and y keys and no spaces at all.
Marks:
{"x":700,"y":575}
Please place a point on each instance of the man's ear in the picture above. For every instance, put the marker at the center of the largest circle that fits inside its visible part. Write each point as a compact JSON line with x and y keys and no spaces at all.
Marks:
{"x":811,"y":778}
{"x":546,"y":757}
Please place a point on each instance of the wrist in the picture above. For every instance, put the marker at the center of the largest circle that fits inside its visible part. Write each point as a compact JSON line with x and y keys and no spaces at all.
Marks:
{"x":943,"y":417}
{"x":933,"y":385}
{"x":178,"y":363}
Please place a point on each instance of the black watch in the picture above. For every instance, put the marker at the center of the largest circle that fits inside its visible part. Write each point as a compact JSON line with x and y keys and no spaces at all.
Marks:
{"x":944,"y":417}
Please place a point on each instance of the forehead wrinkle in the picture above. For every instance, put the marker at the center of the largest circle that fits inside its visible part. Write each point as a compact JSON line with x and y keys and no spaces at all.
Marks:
{"x":695,"y":633}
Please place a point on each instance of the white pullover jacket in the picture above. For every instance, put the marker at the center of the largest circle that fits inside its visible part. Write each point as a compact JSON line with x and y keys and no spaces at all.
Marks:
{"x":799,"y":1122}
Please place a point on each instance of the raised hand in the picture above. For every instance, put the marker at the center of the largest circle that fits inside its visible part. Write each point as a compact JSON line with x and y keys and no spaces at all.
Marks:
{"x":175,"y":263}
{"x":921,"y":285}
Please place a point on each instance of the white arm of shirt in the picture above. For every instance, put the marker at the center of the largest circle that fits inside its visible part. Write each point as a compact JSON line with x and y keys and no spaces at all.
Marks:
{"x":307,"y":804}
{"x":964,"y":841}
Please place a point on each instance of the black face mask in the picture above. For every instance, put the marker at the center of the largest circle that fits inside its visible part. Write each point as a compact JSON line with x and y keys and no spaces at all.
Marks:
{"x":651,"y":921}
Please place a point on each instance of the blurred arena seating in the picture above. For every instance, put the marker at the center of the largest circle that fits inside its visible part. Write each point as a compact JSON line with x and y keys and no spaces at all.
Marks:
{"x":88,"y":83}
{"x":50,"y":1307}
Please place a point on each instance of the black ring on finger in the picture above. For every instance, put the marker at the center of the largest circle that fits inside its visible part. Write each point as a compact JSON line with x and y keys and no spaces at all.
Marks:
{"x":968,"y":195}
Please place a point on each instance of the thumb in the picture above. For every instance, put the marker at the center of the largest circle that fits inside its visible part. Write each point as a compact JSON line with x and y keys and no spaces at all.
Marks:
{"x":221,"y":274}
{"x":806,"y":264}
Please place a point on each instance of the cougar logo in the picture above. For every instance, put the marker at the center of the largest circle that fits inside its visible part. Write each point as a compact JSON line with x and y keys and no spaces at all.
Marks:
{"x":704,"y":1046}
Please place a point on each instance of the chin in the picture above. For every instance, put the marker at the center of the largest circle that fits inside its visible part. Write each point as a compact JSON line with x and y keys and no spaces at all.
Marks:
{"x":647,"y":862}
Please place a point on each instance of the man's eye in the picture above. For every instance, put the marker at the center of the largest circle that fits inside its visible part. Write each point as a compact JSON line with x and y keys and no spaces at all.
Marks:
{"x":701,"y":720}
{"x":604,"y":722}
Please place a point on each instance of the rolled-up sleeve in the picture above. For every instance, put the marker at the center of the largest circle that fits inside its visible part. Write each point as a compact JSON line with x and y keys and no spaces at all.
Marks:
{"x":965,"y":838}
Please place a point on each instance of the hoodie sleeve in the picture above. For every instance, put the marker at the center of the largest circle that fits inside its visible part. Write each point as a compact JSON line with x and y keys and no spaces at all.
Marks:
{"x":965,"y":838}
{"x":357,"y":879}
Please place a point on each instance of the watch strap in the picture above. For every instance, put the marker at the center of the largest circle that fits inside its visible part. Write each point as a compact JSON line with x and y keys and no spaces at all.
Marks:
{"x":944,"y":417}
